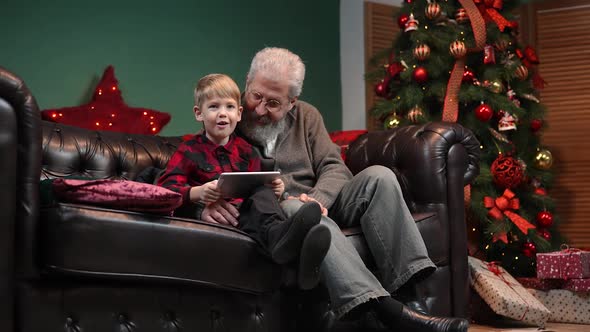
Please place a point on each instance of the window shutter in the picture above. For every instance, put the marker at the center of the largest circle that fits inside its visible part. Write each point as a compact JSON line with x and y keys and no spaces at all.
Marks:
{"x":563,"y":46}
{"x":380,"y":32}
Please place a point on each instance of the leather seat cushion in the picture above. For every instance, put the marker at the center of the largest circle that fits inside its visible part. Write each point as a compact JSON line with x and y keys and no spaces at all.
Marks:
{"x":92,"y":241}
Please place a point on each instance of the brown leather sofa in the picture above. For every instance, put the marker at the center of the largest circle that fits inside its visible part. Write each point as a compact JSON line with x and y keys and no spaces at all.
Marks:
{"x":76,"y":268}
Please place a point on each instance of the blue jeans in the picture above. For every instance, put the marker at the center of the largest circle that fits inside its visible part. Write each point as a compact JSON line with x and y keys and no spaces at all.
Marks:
{"x":374,"y":200}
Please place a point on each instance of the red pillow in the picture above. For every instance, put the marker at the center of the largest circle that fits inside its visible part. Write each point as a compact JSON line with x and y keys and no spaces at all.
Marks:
{"x":118,"y":194}
{"x":343,"y":138}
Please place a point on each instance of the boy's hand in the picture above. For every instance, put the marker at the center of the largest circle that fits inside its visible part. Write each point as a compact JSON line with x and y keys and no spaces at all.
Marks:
{"x":278,"y":187}
{"x":209,"y":192}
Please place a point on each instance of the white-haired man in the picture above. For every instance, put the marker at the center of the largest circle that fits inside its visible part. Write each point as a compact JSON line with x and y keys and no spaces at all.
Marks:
{"x":293,"y":139}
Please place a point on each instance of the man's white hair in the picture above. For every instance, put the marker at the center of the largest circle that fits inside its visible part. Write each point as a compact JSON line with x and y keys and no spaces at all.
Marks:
{"x":279,"y":64}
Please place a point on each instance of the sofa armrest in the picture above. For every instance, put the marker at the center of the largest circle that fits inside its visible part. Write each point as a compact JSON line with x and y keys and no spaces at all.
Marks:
{"x":422,"y":156}
{"x":433,"y":162}
{"x":27,"y":138}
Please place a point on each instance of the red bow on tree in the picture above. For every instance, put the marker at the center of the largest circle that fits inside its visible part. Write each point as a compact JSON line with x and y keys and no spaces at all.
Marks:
{"x":529,"y":57}
{"x":489,"y":10}
{"x":503,"y":206}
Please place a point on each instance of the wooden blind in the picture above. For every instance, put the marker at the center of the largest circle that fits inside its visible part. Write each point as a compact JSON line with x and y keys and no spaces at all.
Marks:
{"x":563,"y":46}
{"x":381,"y":30}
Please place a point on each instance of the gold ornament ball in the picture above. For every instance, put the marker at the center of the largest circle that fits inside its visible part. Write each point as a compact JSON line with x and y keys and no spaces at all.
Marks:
{"x":392,"y":121}
{"x":543,"y":159}
{"x":496,"y":86}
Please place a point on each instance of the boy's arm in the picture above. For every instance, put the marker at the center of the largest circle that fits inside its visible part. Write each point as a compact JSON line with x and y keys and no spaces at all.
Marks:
{"x":175,"y":176}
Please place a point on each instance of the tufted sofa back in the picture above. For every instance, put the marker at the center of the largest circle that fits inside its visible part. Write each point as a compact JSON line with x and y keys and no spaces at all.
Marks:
{"x":71,"y":151}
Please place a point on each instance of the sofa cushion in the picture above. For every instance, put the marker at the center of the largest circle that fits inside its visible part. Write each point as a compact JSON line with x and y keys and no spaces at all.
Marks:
{"x":98,"y":242}
{"x":119,"y":194}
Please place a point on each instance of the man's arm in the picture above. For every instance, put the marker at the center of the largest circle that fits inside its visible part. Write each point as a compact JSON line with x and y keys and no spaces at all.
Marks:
{"x":332,"y":173}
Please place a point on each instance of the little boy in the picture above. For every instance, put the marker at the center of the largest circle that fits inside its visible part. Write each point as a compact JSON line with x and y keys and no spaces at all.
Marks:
{"x":194,"y":168}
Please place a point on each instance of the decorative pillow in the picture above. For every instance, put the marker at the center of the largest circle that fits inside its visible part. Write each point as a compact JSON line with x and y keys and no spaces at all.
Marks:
{"x":343,"y":138}
{"x":118,"y":194}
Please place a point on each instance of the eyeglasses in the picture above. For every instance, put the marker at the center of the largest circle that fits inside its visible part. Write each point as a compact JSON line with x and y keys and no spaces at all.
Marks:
{"x":271,"y":105}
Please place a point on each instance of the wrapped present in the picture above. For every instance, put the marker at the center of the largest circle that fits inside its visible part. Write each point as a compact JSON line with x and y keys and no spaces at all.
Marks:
{"x":564,"y":264}
{"x":577,"y":285}
{"x":541,"y":284}
{"x":565,"y":306}
{"x":505,"y":295}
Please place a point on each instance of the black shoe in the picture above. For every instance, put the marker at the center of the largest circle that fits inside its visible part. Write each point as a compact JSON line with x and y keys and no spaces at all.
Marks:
{"x":285,"y":239}
{"x":313,"y":250}
{"x":412,"y":321}
{"x":418,"y":306}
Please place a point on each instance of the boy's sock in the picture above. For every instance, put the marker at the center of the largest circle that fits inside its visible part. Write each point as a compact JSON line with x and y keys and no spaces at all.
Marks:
{"x":313,"y":250}
{"x":286,"y":238}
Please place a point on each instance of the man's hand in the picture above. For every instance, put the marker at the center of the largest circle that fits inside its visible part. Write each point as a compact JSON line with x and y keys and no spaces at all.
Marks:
{"x":278,"y":187}
{"x":221,"y":212}
{"x":306,"y":198}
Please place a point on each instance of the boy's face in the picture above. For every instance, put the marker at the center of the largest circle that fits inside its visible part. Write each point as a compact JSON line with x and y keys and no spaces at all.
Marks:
{"x":220,"y":117}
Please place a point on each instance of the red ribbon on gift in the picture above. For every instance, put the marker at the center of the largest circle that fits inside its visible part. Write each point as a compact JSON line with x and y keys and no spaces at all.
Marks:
{"x":504,"y":205}
{"x":494,"y":267}
{"x":489,"y":10}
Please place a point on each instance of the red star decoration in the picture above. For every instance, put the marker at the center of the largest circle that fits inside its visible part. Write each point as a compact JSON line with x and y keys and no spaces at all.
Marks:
{"x":108,"y":111}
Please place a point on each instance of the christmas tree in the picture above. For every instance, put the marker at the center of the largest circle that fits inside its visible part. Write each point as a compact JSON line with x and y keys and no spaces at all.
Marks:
{"x":461,"y":61}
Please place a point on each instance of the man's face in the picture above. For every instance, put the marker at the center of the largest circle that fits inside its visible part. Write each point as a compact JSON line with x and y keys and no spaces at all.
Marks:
{"x":266,"y":101}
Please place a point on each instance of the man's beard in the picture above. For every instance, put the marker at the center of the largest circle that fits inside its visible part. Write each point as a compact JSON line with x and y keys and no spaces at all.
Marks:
{"x":263,"y":134}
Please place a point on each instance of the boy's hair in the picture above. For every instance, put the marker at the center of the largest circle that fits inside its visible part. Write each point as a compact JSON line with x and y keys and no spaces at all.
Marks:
{"x":216,"y":85}
{"x":279,"y":63}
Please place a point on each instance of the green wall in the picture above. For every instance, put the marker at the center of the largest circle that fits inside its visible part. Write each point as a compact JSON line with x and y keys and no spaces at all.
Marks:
{"x":161,"y":48}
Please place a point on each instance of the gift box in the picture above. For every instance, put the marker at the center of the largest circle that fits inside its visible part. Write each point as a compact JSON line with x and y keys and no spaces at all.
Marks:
{"x":541,"y":284}
{"x":564,"y":264}
{"x":577,"y":285}
{"x":505,"y":295}
{"x":566,"y":306}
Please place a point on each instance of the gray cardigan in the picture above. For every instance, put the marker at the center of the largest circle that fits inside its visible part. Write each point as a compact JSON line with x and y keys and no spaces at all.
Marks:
{"x":309,"y":161}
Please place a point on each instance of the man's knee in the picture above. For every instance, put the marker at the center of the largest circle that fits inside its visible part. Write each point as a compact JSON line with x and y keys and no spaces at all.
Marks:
{"x":379,"y":174}
{"x":290,"y":206}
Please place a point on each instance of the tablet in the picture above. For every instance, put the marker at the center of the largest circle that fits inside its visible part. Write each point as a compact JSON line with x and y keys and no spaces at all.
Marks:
{"x":241,"y":184}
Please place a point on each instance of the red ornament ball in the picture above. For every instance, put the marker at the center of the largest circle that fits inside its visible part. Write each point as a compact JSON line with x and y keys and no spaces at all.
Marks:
{"x":420,"y":75}
{"x":381,"y":89}
{"x":529,"y":249}
{"x":540,"y":191}
{"x":457,"y":49}
{"x":507,"y":172}
{"x":544,"y":219}
{"x":432,"y":11}
{"x":536,"y":124}
{"x":545,"y":234}
{"x":461,"y":16}
{"x":402,"y":20}
{"x":422,"y":52}
{"x":484,"y":112}
{"x":468,"y":76}
{"x":521,"y":72}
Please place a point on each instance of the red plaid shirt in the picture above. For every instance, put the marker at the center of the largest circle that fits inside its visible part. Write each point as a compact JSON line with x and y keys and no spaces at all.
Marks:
{"x":198,"y":161}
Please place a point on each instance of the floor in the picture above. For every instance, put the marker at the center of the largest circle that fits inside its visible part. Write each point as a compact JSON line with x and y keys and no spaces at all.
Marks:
{"x":551,"y":327}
